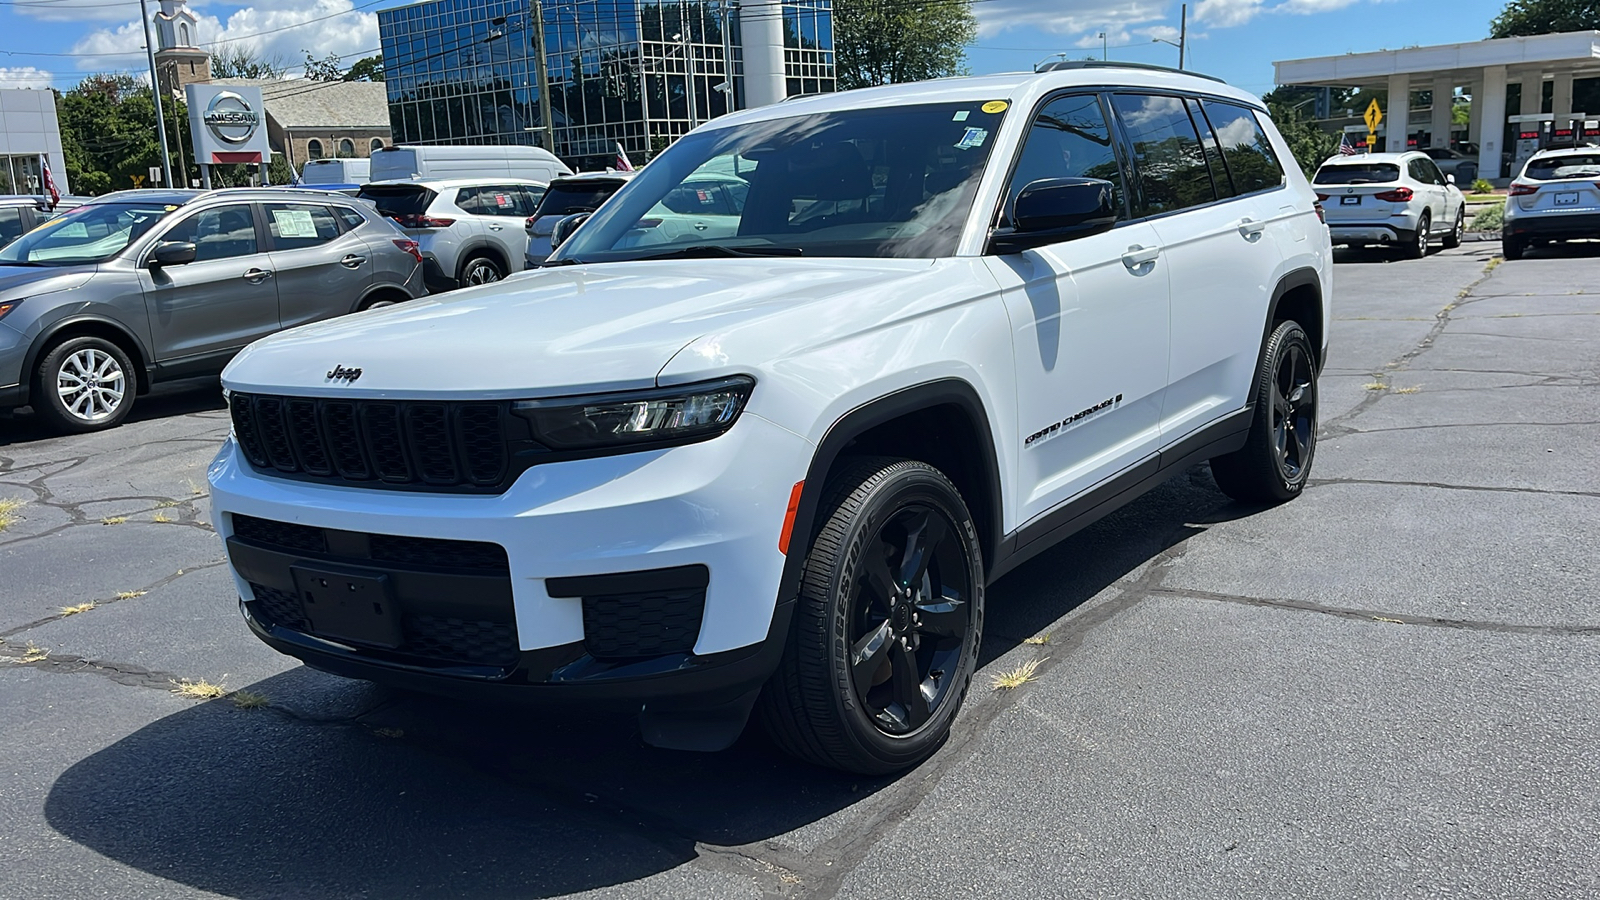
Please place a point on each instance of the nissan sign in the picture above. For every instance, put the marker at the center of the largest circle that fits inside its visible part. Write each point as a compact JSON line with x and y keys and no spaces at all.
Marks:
{"x":228,"y":123}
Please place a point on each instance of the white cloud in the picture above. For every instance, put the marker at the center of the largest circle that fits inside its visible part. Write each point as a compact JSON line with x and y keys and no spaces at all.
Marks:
{"x":73,"y":10}
{"x":1312,"y":7}
{"x":1227,"y":13}
{"x":1089,"y":17}
{"x":12,"y":77}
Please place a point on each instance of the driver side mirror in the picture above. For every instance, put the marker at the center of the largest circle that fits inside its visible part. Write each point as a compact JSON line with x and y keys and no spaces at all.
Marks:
{"x":565,"y":227}
{"x":171,"y":253}
{"x":1052,"y":210}
{"x":1450,"y":179}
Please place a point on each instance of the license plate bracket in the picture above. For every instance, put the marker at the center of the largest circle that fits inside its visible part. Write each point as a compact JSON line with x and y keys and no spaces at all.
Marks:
{"x":1351,"y":200}
{"x":1567,"y":198}
{"x":355,"y":605}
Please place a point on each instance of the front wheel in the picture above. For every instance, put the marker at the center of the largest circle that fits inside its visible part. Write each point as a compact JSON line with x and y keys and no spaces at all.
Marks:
{"x":885,"y":637}
{"x":84,"y":384}
{"x":1275,"y":461}
{"x":1453,"y":239}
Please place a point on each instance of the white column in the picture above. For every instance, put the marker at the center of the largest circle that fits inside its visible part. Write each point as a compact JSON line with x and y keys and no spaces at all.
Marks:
{"x":1475,"y":113}
{"x":1444,"y":91}
{"x":1532,"y":93}
{"x":1490,"y":115}
{"x":1561,"y":100}
{"x":761,"y":26}
{"x":1398,"y":115}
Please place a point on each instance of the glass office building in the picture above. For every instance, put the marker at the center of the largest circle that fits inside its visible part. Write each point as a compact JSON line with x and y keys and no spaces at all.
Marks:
{"x":634,"y":72}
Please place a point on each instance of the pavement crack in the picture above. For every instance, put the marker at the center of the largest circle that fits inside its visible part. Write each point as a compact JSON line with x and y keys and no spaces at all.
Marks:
{"x":1369,"y":615}
{"x":1485,"y":488}
{"x":1354,"y":431}
{"x":100,"y":603}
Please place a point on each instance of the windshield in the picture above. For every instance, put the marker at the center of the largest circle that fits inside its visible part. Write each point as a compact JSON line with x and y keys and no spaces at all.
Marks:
{"x":89,"y":233}
{"x":895,"y":182}
{"x":1357,"y":173}
{"x":1550,"y":168}
{"x":398,"y":200}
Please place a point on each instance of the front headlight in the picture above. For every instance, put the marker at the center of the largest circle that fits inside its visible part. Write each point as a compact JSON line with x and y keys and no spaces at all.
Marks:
{"x":638,"y":419}
{"x":7,"y":306}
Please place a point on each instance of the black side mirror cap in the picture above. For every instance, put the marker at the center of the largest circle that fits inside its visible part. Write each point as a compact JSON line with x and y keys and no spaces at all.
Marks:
{"x":565,"y":227}
{"x":1052,"y":210}
{"x":172,"y":253}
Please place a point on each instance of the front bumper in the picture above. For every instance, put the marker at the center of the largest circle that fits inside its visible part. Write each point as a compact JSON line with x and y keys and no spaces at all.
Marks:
{"x":1558,"y":226}
{"x":13,"y":351}
{"x":718,"y":505}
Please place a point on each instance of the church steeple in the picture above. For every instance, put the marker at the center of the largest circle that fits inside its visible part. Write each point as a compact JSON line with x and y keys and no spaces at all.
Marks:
{"x":179,"y":58}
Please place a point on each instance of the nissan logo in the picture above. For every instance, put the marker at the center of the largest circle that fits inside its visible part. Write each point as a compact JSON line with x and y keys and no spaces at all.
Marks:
{"x":230,"y":118}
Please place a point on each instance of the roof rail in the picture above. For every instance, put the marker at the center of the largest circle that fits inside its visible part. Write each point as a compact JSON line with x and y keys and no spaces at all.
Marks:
{"x":1069,"y":64}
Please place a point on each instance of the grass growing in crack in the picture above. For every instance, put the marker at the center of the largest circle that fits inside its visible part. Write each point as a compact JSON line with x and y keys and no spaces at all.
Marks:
{"x":1375,"y":386}
{"x":113,"y":520}
{"x":34,"y":653}
{"x":249,"y":699}
{"x":166,"y":504}
{"x":129,"y":595}
{"x":161,"y":517}
{"x":1021,"y":675}
{"x":1408,"y":390}
{"x":194,"y":488}
{"x":8,"y":511}
{"x":79,"y":608}
{"x":199,"y":690}
{"x":1037,"y":639}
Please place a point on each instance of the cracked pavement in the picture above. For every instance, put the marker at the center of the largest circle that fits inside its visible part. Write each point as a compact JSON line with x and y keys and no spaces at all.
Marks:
{"x":1386,"y":688}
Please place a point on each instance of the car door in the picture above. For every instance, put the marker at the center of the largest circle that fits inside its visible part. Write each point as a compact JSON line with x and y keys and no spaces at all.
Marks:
{"x":14,"y":223}
{"x":1221,"y":254}
{"x":321,"y":269}
{"x":1448,"y":202}
{"x":223,"y":300}
{"x":495,"y":208}
{"x":1427,"y":181}
{"x":1089,"y":321}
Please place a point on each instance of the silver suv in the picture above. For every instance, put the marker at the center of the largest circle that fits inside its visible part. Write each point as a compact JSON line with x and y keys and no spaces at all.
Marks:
{"x":140,"y":287}
{"x":470,"y":230}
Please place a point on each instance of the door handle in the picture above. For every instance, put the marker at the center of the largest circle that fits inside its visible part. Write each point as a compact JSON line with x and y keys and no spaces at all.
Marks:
{"x":496,"y":227}
{"x":256,"y":276}
{"x":1250,"y":229}
{"x":352,"y":261}
{"x":1138,"y":256}
{"x":699,"y":226}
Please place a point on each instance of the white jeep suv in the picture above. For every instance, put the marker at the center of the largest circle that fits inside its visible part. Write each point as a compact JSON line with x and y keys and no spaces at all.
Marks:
{"x":775,"y":469}
{"x":1396,"y":200}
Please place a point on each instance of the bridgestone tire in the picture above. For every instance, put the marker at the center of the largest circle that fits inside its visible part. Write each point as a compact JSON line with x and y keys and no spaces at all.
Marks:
{"x":811,"y":707}
{"x":1258,"y":472}
{"x":64,"y":366}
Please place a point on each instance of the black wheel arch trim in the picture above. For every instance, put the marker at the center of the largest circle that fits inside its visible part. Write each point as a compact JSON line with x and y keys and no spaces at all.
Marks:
{"x":1292,"y":280}
{"x":144,"y":368}
{"x":476,"y":249}
{"x":943,"y":392}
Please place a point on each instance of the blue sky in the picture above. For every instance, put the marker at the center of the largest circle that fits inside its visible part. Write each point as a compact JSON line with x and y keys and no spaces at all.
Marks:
{"x":1234,"y":39}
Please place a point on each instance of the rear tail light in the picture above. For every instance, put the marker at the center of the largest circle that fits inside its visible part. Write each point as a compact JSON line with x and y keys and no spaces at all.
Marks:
{"x":529,"y":222}
{"x":1398,"y":195}
{"x":1322,"y":197}
{"x":415,"y":220}
{"x":411,"y":247}
{"x":1322,"y":214}
{"x":1519,"y":190}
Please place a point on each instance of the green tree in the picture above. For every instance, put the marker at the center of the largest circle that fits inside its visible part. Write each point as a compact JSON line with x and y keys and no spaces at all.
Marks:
{"x":1524,"y":17}
{"x":366,"y":69}
{"x":1309,"y":144}
{"x":108,"y":132}
{"x":237,"y":62}
{"x":325,"y":69}
{"x":894,"y":41}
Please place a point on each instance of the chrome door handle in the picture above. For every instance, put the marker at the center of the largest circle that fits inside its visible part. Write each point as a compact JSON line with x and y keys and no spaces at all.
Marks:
{"x":1138,"y":256}
{"x":352,"y":261}
{"x":256,"y":276}
{"x":496,"y":227}
{"x":699,"y":226}
{"x":1250,"y":229}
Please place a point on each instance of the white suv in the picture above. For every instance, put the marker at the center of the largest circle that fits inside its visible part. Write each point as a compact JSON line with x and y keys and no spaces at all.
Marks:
{"x":775,"y":470}
{"x":1554,"y":198}
{"x":469,"y":230}
{"x":1391,"y":199}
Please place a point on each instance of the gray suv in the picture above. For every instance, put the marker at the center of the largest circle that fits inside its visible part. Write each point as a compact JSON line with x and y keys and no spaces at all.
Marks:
{"x":140,"y":287}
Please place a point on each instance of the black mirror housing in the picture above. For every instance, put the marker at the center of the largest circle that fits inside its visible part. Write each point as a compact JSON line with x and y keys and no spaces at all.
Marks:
{"x":172,"y":253}
{"x":565,"y":227}
{"x":1052,"y":210}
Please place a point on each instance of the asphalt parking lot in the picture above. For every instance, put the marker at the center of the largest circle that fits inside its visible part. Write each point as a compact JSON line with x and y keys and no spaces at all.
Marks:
{"x":1387,"y":688}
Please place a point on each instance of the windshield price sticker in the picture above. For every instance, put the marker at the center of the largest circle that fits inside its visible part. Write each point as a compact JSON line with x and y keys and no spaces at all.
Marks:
{"x":961,"y":115}
{"x":995,"y":106}
{"x":973,"y":138}
{"x":502,"y":201}
{"x":294,"y":223}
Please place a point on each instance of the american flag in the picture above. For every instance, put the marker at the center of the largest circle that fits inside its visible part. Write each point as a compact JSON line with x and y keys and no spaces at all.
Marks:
{"x":1345,"y":149}
{"x":623,"y":163}
{"x":50,"y":184}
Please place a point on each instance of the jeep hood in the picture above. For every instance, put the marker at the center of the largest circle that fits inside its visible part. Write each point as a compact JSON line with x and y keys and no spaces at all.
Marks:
{"x":548,"y":332}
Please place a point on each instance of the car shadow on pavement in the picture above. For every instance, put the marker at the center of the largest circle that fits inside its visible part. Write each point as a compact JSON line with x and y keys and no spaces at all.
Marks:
{"x":176,"y":398}
{"x":341,"y":789}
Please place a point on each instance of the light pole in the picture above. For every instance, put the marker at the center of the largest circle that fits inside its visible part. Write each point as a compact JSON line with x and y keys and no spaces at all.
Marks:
{"x":1041,"y":63}
{"x":155,"y":95}
{"x":1102,"y":46}
{"x":1183,"y":34}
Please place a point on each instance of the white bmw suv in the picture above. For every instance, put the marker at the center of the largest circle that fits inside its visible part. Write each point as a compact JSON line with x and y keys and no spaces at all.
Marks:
{"x":773,"y":470}
{"x":1398,"y":200}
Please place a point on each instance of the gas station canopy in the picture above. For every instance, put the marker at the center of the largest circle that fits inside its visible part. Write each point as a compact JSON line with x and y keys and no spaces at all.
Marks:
{"x":1483,"y":68}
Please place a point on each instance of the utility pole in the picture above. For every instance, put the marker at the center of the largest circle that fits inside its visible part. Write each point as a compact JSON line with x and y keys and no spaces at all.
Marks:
{"x":1103,"y":46}
{"x":727,"y":59}
{"x":155,"y":94}
{"x":546,"y":118}
{"x":1183,"y":32}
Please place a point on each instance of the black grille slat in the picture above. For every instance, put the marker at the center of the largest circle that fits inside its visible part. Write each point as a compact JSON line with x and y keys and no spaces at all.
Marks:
{"x":458,"y":640}
{"x":344,"y":440}
{"x":247,"y":429}
{"x":428,"y":437}
{"x":275,"y":433}
{"x":649,"y":623}
{"x":482,"y":443}
{"x":305,"y":431}
{"x":440,"y":552}
{"x":380,"y":426}
{"x":281,"y":607}
{"x":284,"y":535}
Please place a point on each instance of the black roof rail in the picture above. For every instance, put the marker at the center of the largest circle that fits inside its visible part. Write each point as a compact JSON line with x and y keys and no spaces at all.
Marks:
{"x":1069,"y":64}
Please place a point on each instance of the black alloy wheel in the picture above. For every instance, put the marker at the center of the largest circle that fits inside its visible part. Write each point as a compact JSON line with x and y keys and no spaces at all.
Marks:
{"x":1275,"y":461}
{"x":480,"y":270}
{"x":889,"y":618}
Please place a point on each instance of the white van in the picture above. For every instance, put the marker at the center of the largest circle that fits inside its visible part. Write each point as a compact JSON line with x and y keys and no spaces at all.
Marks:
{"x":336,"y":171}
{"x":415,"y":162}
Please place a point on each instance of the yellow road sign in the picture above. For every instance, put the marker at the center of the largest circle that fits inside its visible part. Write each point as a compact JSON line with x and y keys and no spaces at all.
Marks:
{"x":1373,"y":115}
{"x":138,"y":180}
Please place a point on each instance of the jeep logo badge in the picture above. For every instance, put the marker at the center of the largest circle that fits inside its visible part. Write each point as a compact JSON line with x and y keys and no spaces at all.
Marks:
{"x":230,"y":118}
{"x":340,"y":373}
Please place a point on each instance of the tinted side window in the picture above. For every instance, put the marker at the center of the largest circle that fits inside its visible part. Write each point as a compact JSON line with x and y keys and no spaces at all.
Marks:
{"x":295,"y":226}
{"x":350,"y":217}
{"x":530,"y":199}
{"x":1069,"y":139}
{"x":500,"y":200}
{"x":1434,"y":174}
{"x":1166,"y":152}
{"x":11,"y":224}
{"x":1249,"y":155}
{"x":221,"y":233}
{"x":1208,"y":141}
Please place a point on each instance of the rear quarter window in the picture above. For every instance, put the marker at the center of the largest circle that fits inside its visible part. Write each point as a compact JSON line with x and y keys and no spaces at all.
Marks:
{"x":1251,"y":161}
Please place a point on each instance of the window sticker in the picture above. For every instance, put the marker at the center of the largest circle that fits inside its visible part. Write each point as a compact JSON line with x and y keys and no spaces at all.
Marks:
{"x":961,"y":115}
{"x":294,"y":223}
{"x":973,"y":138}
{"x":503,"y":201}
{"x":995,"y":106}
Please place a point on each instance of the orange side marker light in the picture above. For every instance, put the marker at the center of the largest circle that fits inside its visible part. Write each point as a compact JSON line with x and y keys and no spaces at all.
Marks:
{"x":788,"y":517}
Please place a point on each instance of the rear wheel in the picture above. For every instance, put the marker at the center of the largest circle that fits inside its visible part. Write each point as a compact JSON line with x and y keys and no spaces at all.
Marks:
{"x":1511,"y":248}
{"x":886,"y":633}
{"x":1417,"y":247}
{"x":1453,"y":239}
{"x":480,"y":270}
{"x":84,"y":384}
{"x":1275,"y":461}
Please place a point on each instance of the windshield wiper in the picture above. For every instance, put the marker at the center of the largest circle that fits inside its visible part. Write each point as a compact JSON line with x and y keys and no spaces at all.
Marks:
{"x":697,"y":251}
{"x":569,"y":261}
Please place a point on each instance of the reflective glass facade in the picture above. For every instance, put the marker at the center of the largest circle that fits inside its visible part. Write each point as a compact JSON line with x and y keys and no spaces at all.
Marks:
{"x":635,"y":72}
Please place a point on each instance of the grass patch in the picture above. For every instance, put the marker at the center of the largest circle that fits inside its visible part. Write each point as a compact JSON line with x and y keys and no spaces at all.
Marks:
{"x":199,"y":690}
{"x":194,"y":487}
{"x":1493,"y":264}
{"x":113,"y":520}
{"x":1021,"y":675}
{"x":1408,"y":390}
{"x":34,"y":653}
{"x":1375,"y":386}
{"x":161,"y":517}
{"x":249,"y":699}
{"x":8,"y":511}
{"x":129,"y":595}
{"x":1037,"y":639}
{"x":1490,"y":218}
{"x":80,"y":608}
{"x":166,"y":504}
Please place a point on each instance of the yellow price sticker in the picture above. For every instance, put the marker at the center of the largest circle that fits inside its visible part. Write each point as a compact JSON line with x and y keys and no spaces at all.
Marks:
{"x":995,"y":106}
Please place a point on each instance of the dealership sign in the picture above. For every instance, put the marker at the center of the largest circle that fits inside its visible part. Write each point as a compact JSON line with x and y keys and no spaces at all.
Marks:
{"x":227,"y":123}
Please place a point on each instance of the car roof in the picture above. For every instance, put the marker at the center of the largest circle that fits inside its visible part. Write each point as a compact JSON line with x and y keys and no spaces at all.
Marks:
{"x":581,"y":177}
{"x":1373,"y":157}
{"x":1587,"y":149}
{"x":436,"y":184}
{"x":20,"y":200}
{"x":172,"y":196}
